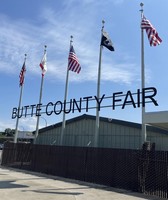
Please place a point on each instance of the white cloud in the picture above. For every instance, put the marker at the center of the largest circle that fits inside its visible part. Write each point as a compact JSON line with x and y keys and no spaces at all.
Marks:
{"x":20,"y":37}
{"x":5,"y":125}
{"x":25,"y":124}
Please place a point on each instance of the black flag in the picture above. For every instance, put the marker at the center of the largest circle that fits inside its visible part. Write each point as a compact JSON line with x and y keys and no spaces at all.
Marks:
{"x":106,"y":41}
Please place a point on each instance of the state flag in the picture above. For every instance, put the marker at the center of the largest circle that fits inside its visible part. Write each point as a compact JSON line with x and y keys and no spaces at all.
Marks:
{"x":43,"y":64}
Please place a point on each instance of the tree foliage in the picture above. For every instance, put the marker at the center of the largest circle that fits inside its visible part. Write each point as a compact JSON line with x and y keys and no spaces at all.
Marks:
{"x":9,"y":132}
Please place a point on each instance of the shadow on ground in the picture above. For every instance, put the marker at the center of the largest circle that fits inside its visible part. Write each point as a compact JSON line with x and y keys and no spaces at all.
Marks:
{"x":10,"y":184}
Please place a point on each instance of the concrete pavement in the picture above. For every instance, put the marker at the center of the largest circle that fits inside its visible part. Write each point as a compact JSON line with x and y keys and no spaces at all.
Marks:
{"x":19,"y":185}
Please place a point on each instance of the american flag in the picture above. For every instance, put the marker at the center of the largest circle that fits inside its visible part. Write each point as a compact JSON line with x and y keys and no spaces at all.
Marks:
{"x":73,"y":63}
{"x":152,"y":34}
{"x":22,"y":74}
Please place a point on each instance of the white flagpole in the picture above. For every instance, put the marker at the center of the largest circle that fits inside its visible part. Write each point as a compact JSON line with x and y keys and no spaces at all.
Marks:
{"x":41,"y":90}
{"x":98,"y":91}
{"x":20,"y":101}
{"x":143,"y":134}
{"x":65,"y":98}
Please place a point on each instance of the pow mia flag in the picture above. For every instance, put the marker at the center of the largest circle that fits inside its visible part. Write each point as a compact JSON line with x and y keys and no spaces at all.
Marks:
{"x":106,"y":41}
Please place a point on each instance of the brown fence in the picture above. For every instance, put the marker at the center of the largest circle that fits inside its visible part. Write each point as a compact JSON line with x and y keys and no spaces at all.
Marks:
{"x":137,"y":170}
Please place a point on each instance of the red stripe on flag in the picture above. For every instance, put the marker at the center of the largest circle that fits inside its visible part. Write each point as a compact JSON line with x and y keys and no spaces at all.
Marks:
{"x":73,"y":63}
{"x":152,"y":34}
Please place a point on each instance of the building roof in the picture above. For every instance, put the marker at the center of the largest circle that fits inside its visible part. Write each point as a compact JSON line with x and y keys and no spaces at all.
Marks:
{"x":104,"y":119}
{"x":158,"y":119}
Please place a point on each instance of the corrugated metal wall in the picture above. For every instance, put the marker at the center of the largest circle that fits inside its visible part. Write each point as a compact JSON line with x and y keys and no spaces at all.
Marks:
{"x":161,"y":140}
{"x":112,"y":135}
{"x":119,"y":136}
{"x":81,"y":133}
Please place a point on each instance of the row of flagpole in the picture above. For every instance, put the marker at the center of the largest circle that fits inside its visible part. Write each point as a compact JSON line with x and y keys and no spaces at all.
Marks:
{"x":73,"y":65}
{"x":43,"y":65}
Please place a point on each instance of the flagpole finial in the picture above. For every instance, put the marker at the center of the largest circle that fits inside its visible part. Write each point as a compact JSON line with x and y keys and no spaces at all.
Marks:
{"x":103,"y":22}
{"x":71,"y":38}
{"x":45,"y":48}
{"x":141,"y":4}
{"x":25,"y":56}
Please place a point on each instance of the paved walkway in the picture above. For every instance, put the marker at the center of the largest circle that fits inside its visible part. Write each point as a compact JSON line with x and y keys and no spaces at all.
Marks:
{"x":19,"y":185}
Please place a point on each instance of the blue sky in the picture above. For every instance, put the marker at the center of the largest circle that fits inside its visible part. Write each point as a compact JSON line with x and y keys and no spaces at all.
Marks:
{"x":26,"y":26}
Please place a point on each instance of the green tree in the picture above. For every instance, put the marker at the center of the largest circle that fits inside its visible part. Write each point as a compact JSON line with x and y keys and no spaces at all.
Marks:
{"x":8,"y":132}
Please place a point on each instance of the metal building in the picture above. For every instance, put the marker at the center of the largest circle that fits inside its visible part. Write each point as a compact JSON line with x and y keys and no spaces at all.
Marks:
{"x":113,"y":133}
